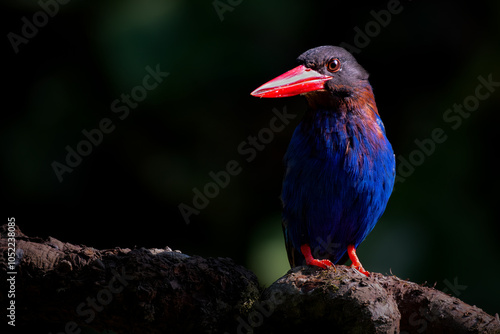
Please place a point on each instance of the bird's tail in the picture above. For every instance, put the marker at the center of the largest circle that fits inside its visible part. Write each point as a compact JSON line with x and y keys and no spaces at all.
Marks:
{"x":295,"y":258}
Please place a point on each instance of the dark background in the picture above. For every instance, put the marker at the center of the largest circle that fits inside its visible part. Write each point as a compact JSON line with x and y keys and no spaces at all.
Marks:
{"x":441,"y":225}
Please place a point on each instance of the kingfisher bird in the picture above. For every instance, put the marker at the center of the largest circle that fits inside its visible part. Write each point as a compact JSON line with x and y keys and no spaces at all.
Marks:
{"x":340,"y":166}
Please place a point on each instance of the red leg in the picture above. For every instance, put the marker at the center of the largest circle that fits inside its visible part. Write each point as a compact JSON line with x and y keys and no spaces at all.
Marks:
{"x":351,"y":251}
{"x":306,"y":251}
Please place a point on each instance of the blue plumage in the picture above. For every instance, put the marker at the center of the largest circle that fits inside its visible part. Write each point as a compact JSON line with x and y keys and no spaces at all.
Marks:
{"x":340,"y":167}
{"x":339,"y":176}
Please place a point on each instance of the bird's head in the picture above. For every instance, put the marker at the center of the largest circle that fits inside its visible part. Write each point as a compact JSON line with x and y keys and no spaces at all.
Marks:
{"x":324,"y":73}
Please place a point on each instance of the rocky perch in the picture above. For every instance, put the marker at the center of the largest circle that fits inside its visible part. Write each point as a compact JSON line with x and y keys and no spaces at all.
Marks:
{"x":60,"y":287}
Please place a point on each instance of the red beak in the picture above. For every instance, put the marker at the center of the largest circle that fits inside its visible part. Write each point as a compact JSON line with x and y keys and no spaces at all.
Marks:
{"x":296,"y":81}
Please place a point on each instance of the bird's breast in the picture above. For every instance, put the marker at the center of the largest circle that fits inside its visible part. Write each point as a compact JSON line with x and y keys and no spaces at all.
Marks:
{"x":337,"y":164}
{"x":354,"y":143}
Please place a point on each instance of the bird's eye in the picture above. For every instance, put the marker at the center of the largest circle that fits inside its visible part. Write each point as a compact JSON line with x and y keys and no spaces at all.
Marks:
{"x":333,"y":65}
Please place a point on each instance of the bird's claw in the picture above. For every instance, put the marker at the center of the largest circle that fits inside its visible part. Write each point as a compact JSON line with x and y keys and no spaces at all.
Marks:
{"x":320,"y":263}
{"x":360,"y":269}
{"x":311,"y":261}
{"x":351,"y":251}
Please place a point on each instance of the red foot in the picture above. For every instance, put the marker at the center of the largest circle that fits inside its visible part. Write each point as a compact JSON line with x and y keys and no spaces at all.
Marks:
{"x":306,"y":251}
{"x":351,"y":251}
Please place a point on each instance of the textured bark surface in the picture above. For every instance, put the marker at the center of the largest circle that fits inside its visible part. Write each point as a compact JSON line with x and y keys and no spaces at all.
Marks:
{"x":63,"y":288}
{"x":344,"y":301}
